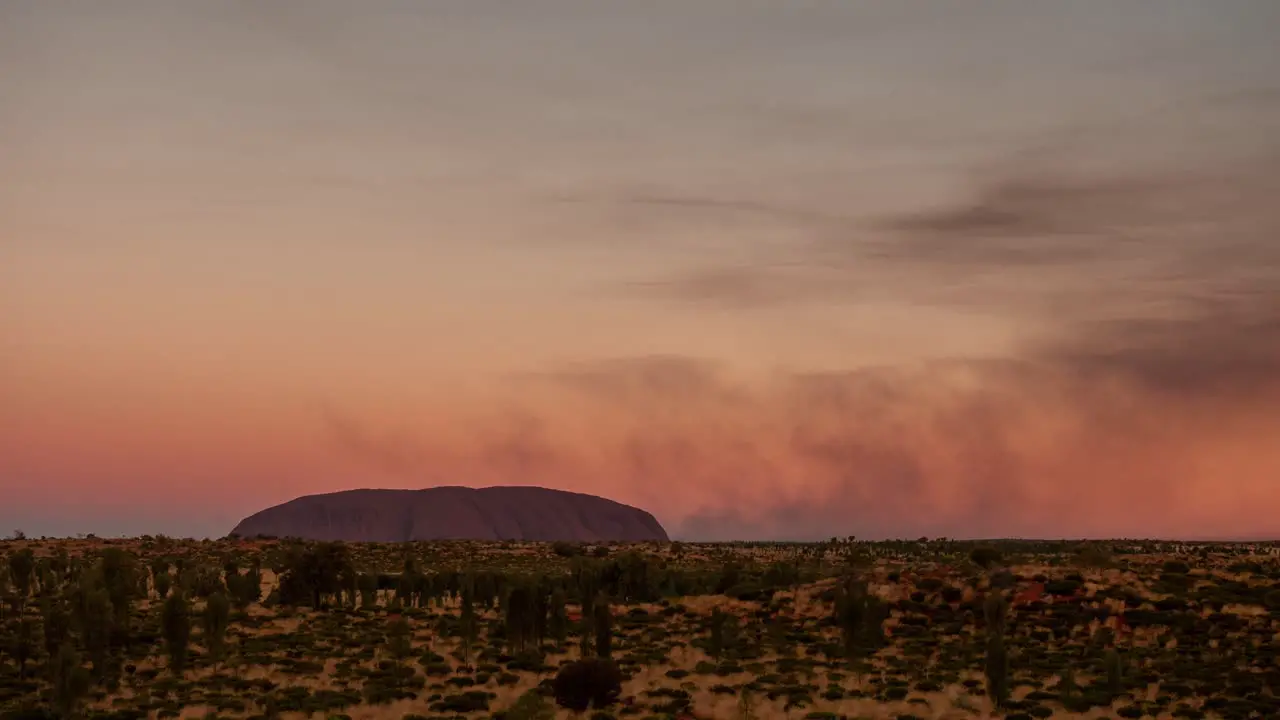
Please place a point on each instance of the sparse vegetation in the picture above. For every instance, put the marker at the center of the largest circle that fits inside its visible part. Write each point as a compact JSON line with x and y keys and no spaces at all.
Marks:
{"x":936,"y":629}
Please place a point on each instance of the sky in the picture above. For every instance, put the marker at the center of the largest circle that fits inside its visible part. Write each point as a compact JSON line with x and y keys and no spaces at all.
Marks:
{"x":770,"y":270}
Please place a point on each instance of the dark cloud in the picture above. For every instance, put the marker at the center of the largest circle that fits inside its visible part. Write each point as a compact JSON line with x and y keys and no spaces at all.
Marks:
{"x":744,"y":286}
{"x":1024,"y":221}
{"x":1171,"y":283}
{"x":737,"y":208}
{"x":1044,"y":230}
{"x":1170,"y":275}
{"x":1223,"y":352}
{"x":1028,"y":216}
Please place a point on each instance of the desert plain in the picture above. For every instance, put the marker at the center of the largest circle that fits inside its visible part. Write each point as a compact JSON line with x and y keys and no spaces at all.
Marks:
{"x":843,"y":629}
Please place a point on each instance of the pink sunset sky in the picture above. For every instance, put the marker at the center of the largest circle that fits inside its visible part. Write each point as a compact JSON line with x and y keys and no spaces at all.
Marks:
{"x":769,"y":270}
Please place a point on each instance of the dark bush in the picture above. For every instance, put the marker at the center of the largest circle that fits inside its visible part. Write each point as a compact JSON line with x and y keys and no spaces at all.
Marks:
{"x":592,"y":682}
{"x":1062,"y":587}
{"x":929,"y":584}
{"x":566,"y":549}
{"x":985,"y":556}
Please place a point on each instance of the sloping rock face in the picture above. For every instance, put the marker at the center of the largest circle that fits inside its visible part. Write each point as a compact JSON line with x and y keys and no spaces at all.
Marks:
{"x":454,"y":513}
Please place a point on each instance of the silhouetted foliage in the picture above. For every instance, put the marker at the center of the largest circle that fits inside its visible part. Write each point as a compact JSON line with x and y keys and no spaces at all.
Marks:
{"x":985,"y":556}
{"x":315,"y":572}
{"x":997,"y":670}
{"x":558,"y":620}
{"x":22,"y":565}
{"x":215,"y":619}
{"x":860,"y":616}
{"x":175,"y":622}
{"x":996,"y":667}
{"x":995,"y":610}
{"x":521,"y":618}
{"x":588,"y":683}
{"x":603,"y":628}
{"x":399,"y":638}
{"x":68,"y":681}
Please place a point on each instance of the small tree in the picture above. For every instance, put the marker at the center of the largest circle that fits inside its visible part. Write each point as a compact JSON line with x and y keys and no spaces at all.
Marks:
{"x":163,"y":582}
{"x":8,"y":597}
{"x":399,"y":638}
{"x":467,"y":622}
{"x":245,"y":588}
{"x":586,"y":578}
{"x":778,"y":637}
{"x":997,"y":670}
{"x":1067,"y":687}
{"x":520,"y":618}
{"x":312,"y":573}
{"x":68,"y":680}
{"x":1115,"y":672}
{"x":56,"y":626}
{"x":175,"y":621}
{"x":368,"y":587}
{"x":860,"y":616}
{"x":22,"y":565}
{"x":995,"y":610}
{"x":604,"y":628}
{"x":216,"y":618}
{"x":540,"y":607}
{"x":92,"y":616}
{"x":558,"y":621}
{"x":746,"y":704}
{"x":121,"y":577}
{"x":715,"y":633}
{"x":22,"y":646}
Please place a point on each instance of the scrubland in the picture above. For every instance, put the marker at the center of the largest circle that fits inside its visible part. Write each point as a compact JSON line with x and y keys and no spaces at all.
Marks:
{"x":157,"y":627}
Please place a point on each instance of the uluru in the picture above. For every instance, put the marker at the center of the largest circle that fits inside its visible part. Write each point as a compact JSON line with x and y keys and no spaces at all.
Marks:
{"x":454,"y":513}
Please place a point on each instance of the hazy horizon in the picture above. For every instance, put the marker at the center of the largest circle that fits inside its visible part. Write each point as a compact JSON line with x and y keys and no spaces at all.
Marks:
{"x":767,"y":270}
